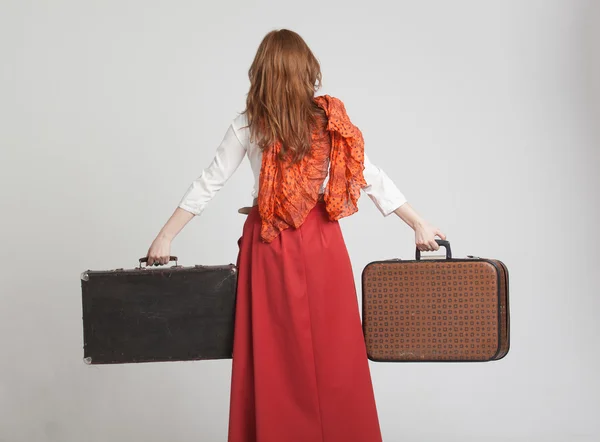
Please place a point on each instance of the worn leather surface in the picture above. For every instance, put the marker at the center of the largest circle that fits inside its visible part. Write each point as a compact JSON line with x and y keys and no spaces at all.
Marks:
{"x":442,"y":310}
{"x":158,"y":314}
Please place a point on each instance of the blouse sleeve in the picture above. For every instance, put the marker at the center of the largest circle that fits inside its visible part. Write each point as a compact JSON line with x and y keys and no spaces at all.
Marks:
{"x":381,"y":189}
{"x":227,"y":159}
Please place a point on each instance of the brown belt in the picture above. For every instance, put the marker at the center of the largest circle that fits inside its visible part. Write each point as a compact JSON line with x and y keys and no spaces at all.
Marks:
{"x":321,"y":199}
{"x":246,"y":210}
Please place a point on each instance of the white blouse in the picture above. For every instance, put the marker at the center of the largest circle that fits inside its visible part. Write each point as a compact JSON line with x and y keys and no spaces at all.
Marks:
{"x":236,"y":145}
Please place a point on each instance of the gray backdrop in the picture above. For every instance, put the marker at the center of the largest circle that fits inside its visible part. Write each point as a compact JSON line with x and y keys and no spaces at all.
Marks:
{"x":485,"y":113}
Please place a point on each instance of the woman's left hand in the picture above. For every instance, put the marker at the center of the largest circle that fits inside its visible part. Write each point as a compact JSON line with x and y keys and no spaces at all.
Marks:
{"x":159,"y":252}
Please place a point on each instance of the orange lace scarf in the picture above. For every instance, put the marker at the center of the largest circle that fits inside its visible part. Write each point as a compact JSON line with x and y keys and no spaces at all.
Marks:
{"x":288,"y":192}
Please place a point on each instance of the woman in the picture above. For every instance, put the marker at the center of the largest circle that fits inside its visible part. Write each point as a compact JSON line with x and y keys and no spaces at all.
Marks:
{"x":300,"y":371}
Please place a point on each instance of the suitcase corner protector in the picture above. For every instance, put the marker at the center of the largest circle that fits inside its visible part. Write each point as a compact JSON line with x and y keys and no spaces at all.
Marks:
{"x":87,"y":360}
{"x":85,"y":276}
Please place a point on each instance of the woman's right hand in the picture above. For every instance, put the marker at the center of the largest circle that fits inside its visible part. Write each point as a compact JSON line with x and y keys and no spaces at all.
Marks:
{"x":159,"y":252}
{"x":425,"y":233}
{"x":425,"y":236}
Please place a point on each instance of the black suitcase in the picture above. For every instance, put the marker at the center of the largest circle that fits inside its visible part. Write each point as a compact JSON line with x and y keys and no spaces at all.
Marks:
{"x":152,"y":314}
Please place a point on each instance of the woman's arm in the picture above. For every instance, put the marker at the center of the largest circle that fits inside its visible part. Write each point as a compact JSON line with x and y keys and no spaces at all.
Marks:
{"x":389,"y":199}
{"x":160,"y":249}
{"x":226,"y":161}
{"x":424,"y":232}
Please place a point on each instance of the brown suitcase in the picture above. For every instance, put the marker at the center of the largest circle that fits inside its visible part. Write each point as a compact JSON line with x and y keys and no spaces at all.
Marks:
{"x":152,"y":314}
{"x":436,"y":310}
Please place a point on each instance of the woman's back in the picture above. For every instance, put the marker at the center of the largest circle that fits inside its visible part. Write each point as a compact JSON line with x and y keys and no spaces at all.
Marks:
{"x":303,"y":178}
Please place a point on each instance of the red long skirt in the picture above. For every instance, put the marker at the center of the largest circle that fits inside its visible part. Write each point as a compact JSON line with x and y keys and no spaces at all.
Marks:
{"x":300,"y":370}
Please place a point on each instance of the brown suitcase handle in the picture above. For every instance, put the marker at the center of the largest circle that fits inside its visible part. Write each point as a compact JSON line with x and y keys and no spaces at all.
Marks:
{"x":442,"y":243}
{"x":145,"y":259}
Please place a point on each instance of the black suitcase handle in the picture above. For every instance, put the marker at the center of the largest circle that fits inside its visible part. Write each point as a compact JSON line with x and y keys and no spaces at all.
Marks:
{"x":145,"y":259}
{"x":442,"y":243}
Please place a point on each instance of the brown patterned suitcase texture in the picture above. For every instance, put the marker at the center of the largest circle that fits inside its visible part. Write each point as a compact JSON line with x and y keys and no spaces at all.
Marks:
{"x":165,"y":313}
{"x":436,"y":310}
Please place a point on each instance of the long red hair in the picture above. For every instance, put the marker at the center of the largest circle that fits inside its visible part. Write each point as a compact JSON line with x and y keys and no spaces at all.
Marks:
{"x":284,"y":77}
